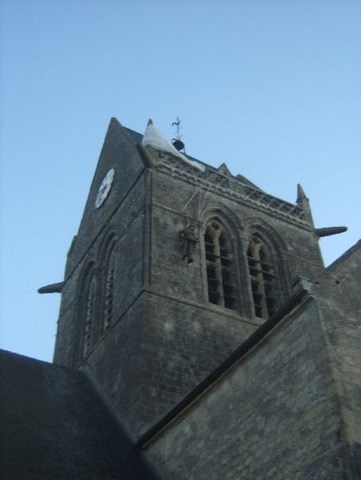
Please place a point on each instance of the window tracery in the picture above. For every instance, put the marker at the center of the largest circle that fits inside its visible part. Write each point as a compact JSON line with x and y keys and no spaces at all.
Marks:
{"x":219,"y":265}
{"x":244,"y":266}
{"x":262,"y":276}
{"x":87,"y":311}
{"x":108,"y":289}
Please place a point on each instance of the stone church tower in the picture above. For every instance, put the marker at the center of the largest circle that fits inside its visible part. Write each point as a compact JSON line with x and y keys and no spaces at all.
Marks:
{"x":200,"y":336}
{"x":175,"y":264}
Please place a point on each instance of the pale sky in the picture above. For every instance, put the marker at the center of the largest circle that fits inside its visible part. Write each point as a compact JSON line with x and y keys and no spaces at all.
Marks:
{"x":270,"y":87}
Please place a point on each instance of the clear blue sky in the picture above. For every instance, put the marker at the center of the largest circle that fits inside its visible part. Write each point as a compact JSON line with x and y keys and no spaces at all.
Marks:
{"x":270,"y":87}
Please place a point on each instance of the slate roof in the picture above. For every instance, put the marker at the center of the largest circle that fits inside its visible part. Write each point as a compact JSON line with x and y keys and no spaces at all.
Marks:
{"x":55,"y":426}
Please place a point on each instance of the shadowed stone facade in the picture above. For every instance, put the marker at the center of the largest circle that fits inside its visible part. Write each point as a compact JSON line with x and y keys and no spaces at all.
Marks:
{"x":235,"y":356}
{"x":166,"y":334}
{"x":288,"y":408}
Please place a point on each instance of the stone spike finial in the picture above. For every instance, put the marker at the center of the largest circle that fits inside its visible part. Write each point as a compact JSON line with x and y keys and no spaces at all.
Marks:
{"x":301,"y":196}
{"x":224,"y":170}
{"x":303,"y":202}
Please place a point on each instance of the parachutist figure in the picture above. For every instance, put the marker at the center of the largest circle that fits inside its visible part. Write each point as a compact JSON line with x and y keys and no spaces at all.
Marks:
{"x":190,"y":241}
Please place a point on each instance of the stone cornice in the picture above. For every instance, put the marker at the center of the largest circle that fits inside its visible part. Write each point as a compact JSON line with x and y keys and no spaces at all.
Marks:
{"x":232,"y":188}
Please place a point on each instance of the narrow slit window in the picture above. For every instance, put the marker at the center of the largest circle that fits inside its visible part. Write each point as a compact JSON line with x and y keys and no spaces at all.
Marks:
{"x":89,"y":299}
{"x":108,"y":286}
{"x":109,"y":300}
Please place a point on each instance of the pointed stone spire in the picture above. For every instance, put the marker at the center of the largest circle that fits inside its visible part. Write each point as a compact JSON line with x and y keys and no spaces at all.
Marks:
{"x":304,"y":203}
{"x":301,"y":196}
{"x":224,"y":170}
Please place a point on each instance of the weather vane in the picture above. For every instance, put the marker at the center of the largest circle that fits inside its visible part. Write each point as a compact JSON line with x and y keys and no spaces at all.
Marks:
{"x":177,"y":142}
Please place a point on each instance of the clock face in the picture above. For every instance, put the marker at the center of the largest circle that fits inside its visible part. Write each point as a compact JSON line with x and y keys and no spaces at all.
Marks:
{"x":104,"y":188}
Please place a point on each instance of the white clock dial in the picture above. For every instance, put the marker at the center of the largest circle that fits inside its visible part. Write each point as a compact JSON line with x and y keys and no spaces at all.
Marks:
{"x":104,"y":188}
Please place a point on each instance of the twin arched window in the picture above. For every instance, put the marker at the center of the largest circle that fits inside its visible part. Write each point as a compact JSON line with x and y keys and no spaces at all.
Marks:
{"x":96,"y":300}
{"x":253,"y":285}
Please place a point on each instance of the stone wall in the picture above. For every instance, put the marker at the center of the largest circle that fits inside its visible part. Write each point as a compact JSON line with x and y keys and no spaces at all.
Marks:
{"x":128,"y":224}
{"x":340,"y":300}
{"x":157,"y":352}
{"x":275,"y":415}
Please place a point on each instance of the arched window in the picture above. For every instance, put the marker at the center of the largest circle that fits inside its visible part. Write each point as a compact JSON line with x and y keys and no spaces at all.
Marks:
{"x":220,"y":268}
{"x":263,"y":279}
{"x":87,"y":310}
{"x":108,"y":285}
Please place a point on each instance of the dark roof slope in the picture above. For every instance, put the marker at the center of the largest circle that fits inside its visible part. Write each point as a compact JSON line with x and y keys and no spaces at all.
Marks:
{"x":137,"y":137}
{"x":54,"y":426}
{"x":344,"y":257}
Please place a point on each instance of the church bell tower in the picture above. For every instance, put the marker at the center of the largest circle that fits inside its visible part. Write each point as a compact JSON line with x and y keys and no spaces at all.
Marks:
{"x":174,"y":265}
